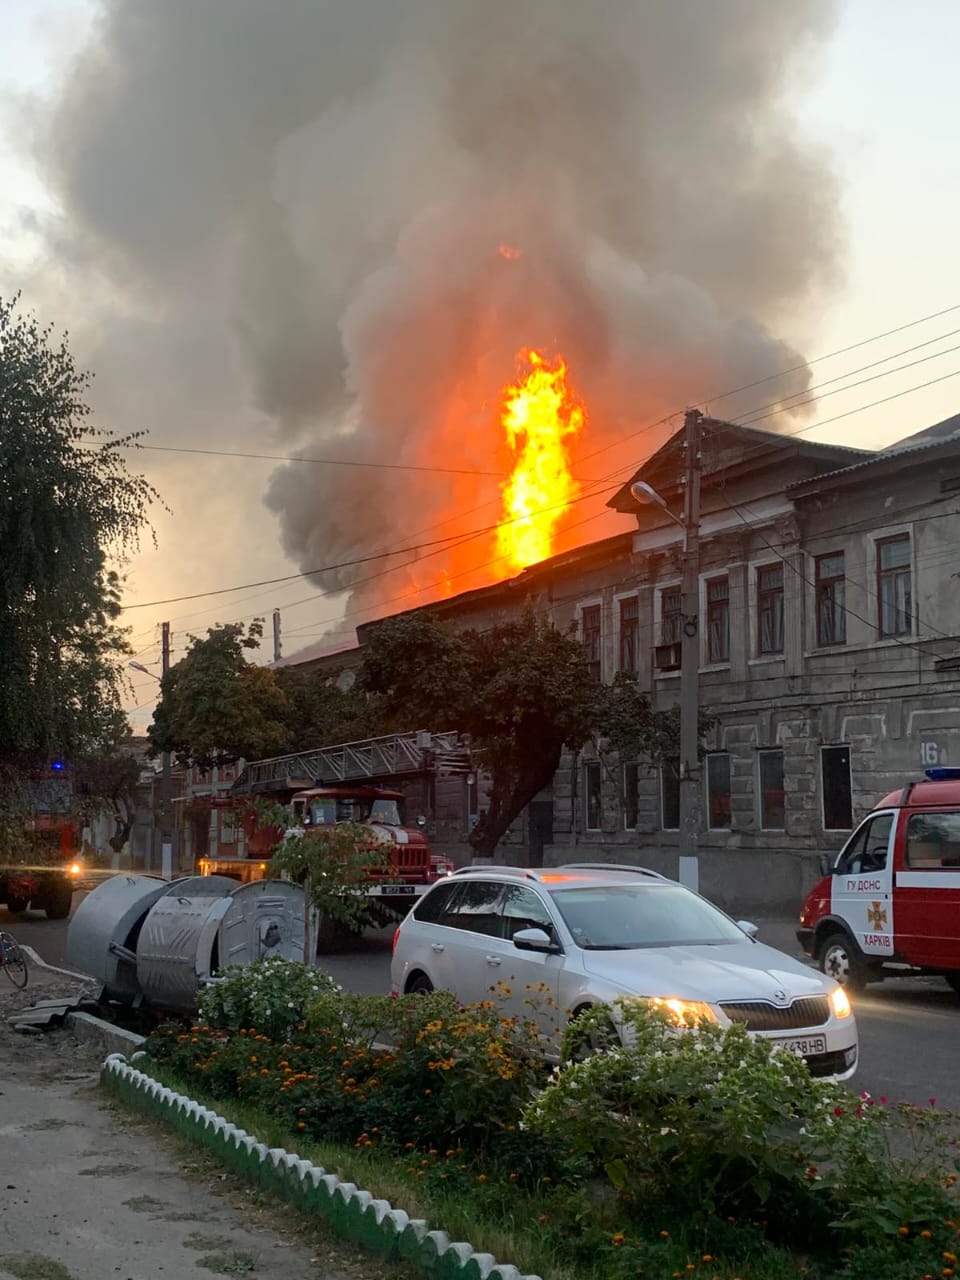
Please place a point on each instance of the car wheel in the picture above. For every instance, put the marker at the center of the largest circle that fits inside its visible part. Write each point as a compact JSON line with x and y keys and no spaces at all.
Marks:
{"x":839,"y":958}
{"x":585,"y":1041}
{"x":419,"y":985}
{"x":17,"y":903}
{"x":953,"y":977}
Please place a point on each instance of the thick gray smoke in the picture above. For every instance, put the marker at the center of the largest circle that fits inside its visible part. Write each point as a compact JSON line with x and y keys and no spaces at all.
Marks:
{"x":327,"y":184}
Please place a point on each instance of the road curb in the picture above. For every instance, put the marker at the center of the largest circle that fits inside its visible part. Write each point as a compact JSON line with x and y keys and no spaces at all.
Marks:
{"x":351,"y":1212}
{"x":38,"y":960}
{"x":89,"y":1029}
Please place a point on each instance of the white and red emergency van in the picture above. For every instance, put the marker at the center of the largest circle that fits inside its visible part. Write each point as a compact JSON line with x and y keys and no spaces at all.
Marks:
{"x":890,"y":903}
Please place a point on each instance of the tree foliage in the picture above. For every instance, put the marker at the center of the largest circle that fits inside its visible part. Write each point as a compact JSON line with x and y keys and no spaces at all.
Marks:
{"x":333,"y":863}
{"x":217,"y":705}
{"x":69,"y":508}
{"x":523,"y":690}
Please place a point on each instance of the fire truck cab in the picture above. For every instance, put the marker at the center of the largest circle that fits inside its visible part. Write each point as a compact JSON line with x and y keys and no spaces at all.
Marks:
{"x":890,"y":902}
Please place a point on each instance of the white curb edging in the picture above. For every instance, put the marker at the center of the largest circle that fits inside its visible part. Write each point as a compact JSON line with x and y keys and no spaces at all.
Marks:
{"x":353,"y":1212}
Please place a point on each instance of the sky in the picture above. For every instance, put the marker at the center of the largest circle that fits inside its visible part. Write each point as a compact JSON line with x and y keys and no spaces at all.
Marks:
{"x":877,"y":97}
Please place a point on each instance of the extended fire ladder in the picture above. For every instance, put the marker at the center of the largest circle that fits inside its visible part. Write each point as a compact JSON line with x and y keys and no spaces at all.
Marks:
{"x":394,"y":756}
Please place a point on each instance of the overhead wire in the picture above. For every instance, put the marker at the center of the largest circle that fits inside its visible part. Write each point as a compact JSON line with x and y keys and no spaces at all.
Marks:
{"x":445,"y":544}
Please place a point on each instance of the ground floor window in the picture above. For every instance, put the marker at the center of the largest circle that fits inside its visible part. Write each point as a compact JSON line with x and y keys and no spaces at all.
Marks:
{"x":836,"y":789}
{"x":591,"y":793}
{"x":629,"y":785}
{"x":718,"y":791}
{"x":670,"y":796}
{"x":772,"y":807}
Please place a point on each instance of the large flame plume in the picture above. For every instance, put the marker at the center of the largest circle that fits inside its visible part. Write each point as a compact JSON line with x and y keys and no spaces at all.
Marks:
{"x":540,"y":418}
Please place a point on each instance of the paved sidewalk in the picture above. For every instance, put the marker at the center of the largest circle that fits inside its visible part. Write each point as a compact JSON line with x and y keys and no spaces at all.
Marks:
{"x":89,"y":1192}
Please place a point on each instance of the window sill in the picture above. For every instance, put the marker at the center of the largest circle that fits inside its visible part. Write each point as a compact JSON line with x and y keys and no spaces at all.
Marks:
{"x":765,"y":659}
{"x":835,"y":650}
{"x":714,"y":666}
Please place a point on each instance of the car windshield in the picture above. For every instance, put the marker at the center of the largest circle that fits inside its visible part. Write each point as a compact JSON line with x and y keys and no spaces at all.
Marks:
{"x":626,"y":916}
{"x":354,"y":809}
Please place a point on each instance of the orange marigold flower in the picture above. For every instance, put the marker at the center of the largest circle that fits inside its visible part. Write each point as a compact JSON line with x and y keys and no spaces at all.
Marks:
{"x":618,"y":1238}
{"x":664,"y":1235}
{"x":903,"y":1231}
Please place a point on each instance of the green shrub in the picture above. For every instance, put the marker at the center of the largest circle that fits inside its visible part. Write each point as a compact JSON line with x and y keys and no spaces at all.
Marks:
{"x":270,"y":996}
{"x":712,"y":1124}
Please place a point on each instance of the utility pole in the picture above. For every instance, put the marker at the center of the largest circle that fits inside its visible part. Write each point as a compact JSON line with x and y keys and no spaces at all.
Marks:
{"x":166,"y":798}
{"x":277,"y":650}
{"x":691,"y":803}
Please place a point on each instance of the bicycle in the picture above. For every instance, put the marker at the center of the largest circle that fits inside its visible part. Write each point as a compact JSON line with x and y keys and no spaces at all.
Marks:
{"x":12,"y":960}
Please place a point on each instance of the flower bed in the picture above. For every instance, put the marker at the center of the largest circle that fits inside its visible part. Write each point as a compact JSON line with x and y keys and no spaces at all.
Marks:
{"x":696,"y":1151}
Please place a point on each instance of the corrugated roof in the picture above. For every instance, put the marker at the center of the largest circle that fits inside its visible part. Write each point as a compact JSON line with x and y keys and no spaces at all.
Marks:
{"x":894,"y":451}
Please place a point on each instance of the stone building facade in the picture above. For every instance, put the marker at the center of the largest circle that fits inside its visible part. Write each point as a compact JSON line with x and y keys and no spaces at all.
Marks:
{"x":829,"y":627}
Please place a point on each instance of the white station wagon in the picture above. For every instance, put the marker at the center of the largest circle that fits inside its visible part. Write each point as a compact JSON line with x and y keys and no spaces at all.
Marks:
{"x":588,"y":934}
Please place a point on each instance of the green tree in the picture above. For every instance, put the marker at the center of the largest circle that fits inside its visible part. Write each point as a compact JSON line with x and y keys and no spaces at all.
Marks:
{"x":333,"y":863}
{"x":217,"y":706}
{"x":69,"y":513}
{"x":522,"y":690}
{"x":106,"y":783}
{"x":323,"y":709}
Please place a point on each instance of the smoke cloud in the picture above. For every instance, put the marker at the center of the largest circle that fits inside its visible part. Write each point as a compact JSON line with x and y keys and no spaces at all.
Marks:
{"x":316,"y":191}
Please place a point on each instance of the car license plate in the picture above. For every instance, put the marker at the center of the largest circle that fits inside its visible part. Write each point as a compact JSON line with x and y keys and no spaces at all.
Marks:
{"x":804,"y":1045}
{"x":391,"y":890}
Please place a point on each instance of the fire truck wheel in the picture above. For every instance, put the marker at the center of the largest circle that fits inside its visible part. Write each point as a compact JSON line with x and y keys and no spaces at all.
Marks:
{"x":419,"y":985}
{"x":17,"y":903}
{"x":58,"y":901}
{"x":839,"y":959}
{"x":953,"y":977}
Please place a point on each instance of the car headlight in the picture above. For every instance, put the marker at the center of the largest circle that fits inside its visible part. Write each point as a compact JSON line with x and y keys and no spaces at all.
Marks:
{"x":683,"y":1013}
{"x":840,"y":1003}
{"x":75,"y":869}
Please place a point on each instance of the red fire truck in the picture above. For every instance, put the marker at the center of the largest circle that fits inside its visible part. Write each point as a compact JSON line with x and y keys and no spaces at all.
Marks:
{"x":410,"y":869}
{"x":40,"y":866}
{"x":890,"y":901}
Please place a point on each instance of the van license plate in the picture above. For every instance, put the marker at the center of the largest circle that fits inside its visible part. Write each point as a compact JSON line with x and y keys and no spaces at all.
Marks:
{"x":389,"y":890}
{"x":805,"y":1046}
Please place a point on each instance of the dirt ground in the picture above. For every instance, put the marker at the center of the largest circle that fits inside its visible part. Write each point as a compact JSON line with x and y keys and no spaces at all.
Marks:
{"x":89,"y":1191}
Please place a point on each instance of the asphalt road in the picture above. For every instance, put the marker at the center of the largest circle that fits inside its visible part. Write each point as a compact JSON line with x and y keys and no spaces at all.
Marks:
{"x":909,"y":1027}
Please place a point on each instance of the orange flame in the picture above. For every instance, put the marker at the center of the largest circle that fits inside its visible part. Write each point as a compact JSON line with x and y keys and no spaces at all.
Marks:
{"x":539,"y":417}
{"x":510,"y":252}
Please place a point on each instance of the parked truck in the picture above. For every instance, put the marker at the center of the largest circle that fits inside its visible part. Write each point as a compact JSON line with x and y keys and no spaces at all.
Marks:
{"x":409,"y":869}
{"x":40,"y":863}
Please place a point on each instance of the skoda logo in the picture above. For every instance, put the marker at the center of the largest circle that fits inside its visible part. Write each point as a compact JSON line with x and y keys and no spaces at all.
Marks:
{"x":780,"y":997}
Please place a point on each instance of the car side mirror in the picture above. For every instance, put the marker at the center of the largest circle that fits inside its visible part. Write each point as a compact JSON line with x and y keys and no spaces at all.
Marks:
{"x":421,"y":820}
{"x":535,"y":940}
{"x":750,"y":929}
{"x":826,"y":865}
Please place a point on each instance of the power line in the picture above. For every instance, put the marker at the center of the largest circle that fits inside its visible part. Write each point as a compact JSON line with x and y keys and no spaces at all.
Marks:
{"x":325,"y":462}
{"x":746,"y":386}
{"x":859,"y":409}
{"x":457,"y":540}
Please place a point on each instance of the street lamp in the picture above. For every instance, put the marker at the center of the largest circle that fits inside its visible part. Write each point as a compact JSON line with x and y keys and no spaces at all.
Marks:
{"x":166,"y":788}
{"x":138,"y":666}
{"x":690,"y":800}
